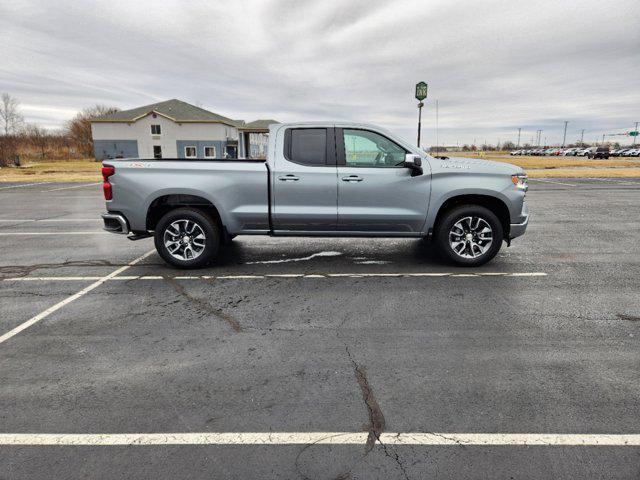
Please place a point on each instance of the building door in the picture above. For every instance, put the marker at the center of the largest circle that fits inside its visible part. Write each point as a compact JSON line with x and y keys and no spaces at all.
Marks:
{"x":231,"y":151}
{"x":157,"y":151}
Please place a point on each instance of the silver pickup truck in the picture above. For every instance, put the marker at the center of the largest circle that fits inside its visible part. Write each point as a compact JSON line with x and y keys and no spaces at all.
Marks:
{"x":319,"y":179}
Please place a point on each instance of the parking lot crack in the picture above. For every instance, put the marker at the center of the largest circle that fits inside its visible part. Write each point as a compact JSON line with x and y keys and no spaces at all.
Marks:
{"x":376,"y":418}
{"x":24,"y":270}
{"x":202,"y":305}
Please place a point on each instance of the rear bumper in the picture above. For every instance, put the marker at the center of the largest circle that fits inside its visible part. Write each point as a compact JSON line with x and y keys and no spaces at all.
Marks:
{"x":518,"y":229}
{"x":115,"y":223}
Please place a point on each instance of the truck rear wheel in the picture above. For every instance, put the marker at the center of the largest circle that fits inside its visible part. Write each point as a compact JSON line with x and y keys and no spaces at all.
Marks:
{"x":187,"y":238}
{"x":469,"y":235}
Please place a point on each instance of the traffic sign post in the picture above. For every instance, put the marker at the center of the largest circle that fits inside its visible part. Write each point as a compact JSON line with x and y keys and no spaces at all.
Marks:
{"x":421,"y":94}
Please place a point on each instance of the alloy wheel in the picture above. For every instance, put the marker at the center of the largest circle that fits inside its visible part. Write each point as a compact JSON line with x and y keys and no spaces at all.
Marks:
{"x":184,"y":239}
{"x":470,"y":237}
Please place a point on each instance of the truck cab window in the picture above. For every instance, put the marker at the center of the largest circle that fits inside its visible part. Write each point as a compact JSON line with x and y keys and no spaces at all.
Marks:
{"x":363,"y":148}
{"x":307,"y":146}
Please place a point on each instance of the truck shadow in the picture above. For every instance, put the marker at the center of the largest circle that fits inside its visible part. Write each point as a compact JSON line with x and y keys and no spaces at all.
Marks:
{"x":358,"y":252}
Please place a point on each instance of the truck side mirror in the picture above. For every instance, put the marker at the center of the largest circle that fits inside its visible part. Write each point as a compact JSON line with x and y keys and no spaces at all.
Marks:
{"x":414,"y":162}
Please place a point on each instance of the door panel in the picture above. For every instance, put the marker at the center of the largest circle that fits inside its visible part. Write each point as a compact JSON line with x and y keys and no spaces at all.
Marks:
{"x":383,"y":200}
{"x":374,"y":193}
{"x":304,"y":182}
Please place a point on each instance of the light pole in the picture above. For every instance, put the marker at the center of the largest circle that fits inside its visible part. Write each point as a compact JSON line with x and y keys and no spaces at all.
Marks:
{"x":421,"y":94}
{"x":420,"y":105}
{"x":564,"y":138}
{"x":518,"y":145}
{"x":437,"y":139}
{"x":635,"y":136}
{"x":581,"y":137}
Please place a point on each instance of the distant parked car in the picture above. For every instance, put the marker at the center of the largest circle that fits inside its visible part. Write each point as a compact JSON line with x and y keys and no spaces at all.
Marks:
{"x":627,"y":152}
{"x":583,"y":152}
{"x":571,"y":152}
{"x":599,"y":152}
{"x":632,"y":152}
{"x":516,"y":152}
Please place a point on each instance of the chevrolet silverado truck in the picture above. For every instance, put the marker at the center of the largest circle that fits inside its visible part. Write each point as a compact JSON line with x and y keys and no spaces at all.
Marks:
{"x":319,"y":179}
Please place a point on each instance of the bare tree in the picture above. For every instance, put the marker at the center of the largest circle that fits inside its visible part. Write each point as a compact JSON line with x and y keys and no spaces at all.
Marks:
{"x":10,"y":114}
{"x":38,"y":137}
{"x":79,"y":128}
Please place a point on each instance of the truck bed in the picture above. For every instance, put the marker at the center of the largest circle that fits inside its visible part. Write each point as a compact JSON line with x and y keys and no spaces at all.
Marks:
{"x":238,"y":188}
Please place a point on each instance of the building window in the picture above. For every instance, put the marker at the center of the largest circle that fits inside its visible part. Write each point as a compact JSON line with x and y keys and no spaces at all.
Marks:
{"x":190,"y":152}
{"x":209,"y":152}
{"x":157,"y":151}
{"x":155,"y":130}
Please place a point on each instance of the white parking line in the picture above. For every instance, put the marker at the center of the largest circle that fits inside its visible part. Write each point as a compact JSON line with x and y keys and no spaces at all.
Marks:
{"x":70,"y":299}
{"x":47,"y":220}
{"x":89,"y":232}
{"x":75,"y":186}
{"x":320,"y":438}
{"x":551,"y":181}
{"x":22,"y":185}
{"x":279,"y":275}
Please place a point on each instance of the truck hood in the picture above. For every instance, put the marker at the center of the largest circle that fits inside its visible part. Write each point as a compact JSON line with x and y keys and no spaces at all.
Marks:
{"x":473,"y":165}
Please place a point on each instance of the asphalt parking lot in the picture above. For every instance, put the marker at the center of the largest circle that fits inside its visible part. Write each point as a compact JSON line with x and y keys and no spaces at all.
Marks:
{"x":321,"y":358}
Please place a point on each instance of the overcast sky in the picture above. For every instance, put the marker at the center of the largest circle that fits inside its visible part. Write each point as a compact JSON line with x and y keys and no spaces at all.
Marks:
{"x":494,"y":66}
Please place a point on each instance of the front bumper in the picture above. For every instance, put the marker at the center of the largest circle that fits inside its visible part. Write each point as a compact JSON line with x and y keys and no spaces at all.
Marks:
{"x":115,"y":223}
{"x":518,"y":229}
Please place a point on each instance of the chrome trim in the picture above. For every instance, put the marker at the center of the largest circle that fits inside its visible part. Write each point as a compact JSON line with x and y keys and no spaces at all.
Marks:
{"x":123,"y":228}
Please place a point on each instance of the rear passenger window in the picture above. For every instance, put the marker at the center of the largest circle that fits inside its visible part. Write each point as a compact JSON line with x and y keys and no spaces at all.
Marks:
{"x":307,"y":146}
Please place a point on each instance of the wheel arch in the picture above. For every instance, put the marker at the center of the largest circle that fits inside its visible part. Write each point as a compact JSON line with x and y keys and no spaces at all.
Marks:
{"x":494,"y":204}
{"x":163,"y":204}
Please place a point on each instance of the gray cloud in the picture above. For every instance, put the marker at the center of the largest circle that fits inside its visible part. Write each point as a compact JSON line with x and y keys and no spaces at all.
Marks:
{"x":494,"y":66}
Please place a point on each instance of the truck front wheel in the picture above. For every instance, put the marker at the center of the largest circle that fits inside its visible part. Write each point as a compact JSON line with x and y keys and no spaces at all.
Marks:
{"x":187,"y":238}
{"x":469,"y":235}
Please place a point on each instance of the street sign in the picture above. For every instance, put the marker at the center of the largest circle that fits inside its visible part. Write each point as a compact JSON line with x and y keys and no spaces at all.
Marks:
{"x":633,"y":134}
{"x":421,"y":91}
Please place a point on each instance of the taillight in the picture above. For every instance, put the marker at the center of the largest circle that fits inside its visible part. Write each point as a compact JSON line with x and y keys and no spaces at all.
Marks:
{"x":107,"y":171}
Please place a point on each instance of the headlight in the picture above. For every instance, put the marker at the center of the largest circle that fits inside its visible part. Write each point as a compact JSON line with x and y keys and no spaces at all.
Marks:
{"x":520,"y":181}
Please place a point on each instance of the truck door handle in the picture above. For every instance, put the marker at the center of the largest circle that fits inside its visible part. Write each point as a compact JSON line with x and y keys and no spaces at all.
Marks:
{"x":352,"y":178}
{"x":290,"y":176}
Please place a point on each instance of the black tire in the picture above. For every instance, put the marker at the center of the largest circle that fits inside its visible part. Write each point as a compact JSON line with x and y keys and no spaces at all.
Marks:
{"x":457,"y":214}
{"x":208,"y":226}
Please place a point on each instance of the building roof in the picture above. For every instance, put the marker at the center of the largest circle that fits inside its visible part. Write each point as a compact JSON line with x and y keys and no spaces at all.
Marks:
{"x":258,"y":125}
{"x":176,"y":110}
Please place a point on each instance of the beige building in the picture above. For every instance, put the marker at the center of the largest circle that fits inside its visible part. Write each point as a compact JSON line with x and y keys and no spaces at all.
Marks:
{"x":176,"y":129}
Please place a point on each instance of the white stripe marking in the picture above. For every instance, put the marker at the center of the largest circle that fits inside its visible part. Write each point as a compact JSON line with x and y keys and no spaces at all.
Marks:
{"x":47,"y":220}
{"x":23,"y":185}
{"x":528,"y":274}
{"x":90,"y":232}
{"x":322,"y":438}
{"x":551,"y":181}
{"x":284,"y":275}
{"x":75,"y":296}
{"x":75,"y":186}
